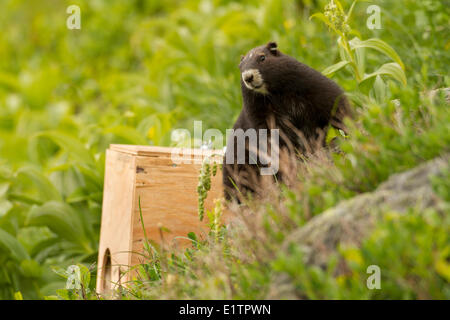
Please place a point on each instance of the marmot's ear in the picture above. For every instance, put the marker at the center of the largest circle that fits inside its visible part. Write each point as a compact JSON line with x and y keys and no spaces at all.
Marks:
{"x":272,"y":46}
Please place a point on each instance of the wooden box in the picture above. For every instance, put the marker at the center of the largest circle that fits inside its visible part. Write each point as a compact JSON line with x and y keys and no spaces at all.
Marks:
{"x":167,"y":191}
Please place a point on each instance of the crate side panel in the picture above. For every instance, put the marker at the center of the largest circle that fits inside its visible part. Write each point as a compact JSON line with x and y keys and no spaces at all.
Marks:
{"x":168,"y":196}
{"x":117,"y":212}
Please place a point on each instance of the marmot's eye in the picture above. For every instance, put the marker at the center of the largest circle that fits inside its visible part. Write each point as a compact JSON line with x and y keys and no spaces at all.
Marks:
{"x":262,"y":57}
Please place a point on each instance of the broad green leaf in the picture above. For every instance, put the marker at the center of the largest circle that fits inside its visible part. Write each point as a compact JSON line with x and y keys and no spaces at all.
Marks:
{"x":50,"y":288}
{"x":93,"y":179}
{"x":43,"y":249}
{"x":4,"y":187}
{"x":44,"y":186}
{"x":23,"y":198}
{"x":129,"y":134}
{"x":442,"y":267}
{"x":30,"y":268}
{"x":77,"y":195}
{"x":13,"y":246}
{"x":331,"y":134}
{"x":60,"y":271}
{"x":379,"y":89}
{"x":66,"y":294}
{"x":9,"y":80}
{"x":71,"y":145}
{"x":322,"y":18}
{"x":5,"y":206}
{"x":62,"y":220}
{"x":85,"y":275}
{"x":335,"y":67}
{"x":379,"y":45}
{"x":391,"y":69}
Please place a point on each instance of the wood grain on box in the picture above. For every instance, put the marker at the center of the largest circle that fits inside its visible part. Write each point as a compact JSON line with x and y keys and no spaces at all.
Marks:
{"x":168,"y":196}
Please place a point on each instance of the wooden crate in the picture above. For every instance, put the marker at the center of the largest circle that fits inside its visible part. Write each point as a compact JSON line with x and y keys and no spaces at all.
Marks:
{"x":168,"y":196}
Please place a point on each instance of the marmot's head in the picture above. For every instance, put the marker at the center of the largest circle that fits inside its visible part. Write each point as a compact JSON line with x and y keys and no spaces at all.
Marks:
{"x":265,"y":69}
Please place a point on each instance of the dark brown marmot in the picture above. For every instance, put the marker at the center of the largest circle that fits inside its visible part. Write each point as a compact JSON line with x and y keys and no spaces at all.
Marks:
{"x":281,"y":93}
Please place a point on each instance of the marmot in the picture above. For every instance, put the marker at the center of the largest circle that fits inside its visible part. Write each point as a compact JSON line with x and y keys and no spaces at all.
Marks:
{"x":296,"y":97}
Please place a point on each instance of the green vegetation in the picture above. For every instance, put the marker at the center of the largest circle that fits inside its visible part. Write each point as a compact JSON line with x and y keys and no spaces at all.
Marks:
{"x":139,"y":69}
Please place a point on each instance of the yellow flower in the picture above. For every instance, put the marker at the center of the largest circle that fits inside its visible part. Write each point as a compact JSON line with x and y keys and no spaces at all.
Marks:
{"x":353,"y":255}
{"x":288,"y":24}
{"x":441,"y":266}
{"x":151,"y":133}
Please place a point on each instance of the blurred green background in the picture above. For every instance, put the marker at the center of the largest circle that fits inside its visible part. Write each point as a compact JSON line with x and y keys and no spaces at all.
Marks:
{"x":134,"y":72}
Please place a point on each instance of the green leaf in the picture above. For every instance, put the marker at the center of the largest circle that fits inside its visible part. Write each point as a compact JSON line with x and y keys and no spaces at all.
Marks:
{"x":71,"y":145}
{"x":322,"y":18}
{"x":5,"y":206}
{"x":442,"y":267}
{"x":9,"y":81}
{"x":350,"y":11}
{"x":45,"y":188}
{"x":78,"y":195}
{"x":60,"y":271}
{"x":66,"y":294}
{"x":85,"y":275}
{"x":30,"y":268}
{"x":94,"y":181}
{"x":191,"y":235}
{"x":23,"y":198}
{"x":379,"y":89}
{"x":13,"y":246}
{"x":360,"y":57}
{"x":335,"y":67}
{"x":4,"y":187}
{"x":62,"y":220}
{"x":331,"y":134}
{"x":129,"y":134}
{"x":391,"y":69}
{"x":379,"y":45}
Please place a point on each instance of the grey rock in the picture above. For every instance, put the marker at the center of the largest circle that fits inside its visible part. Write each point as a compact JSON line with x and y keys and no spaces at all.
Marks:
{"x":351,"y":220}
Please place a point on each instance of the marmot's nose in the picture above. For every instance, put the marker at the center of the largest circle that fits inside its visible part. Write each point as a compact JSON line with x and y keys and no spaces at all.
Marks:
{"x":248,"y":78}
